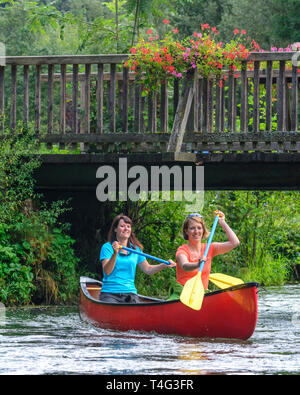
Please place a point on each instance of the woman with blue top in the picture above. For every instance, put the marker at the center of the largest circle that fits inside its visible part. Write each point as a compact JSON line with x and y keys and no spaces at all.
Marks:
{"x":119,"y":266}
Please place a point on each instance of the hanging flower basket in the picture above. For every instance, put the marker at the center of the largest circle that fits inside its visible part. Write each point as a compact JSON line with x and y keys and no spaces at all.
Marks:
{"x":155,"y":60}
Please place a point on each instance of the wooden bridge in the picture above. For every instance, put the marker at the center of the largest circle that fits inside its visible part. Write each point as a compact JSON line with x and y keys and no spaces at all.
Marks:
{"x":246,"y":130}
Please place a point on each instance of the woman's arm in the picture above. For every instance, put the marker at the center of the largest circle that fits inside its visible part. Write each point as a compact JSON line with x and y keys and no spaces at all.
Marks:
{"x":233,"y":241}
{"x":152,"y":269}
{"x":187,"y":266}
{"x":109,"y":264}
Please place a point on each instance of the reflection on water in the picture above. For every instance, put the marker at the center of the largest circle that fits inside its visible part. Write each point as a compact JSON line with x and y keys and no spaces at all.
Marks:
{"x":55,"y":341}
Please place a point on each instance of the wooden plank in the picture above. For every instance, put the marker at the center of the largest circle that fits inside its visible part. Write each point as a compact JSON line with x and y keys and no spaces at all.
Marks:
{"x":230,"y":101}
{"x":112,"y":99}
{"x":218,"y":107}
{"x":119,"y":84}
{"x":13,"y":100}
{"x":256,"y":93}
{"x":137,"y":106}
{"x":191,"y":122}
{"x":294,"y":121}
{"x":87,"y":98}
{"x":66,"y":59}
{"x":281,"y":98}
{"x":244,"y":99}
{"x":75,"y":99}
{"x":37,"y":98}
{"x":269,"y":79}
{"x":99,"y":98}
{"x":50,"y":97}
{"x":152,"y":112}
{"x":204,"y":104}
{"x":131,"y":93}
{"x":223,"y":108}
{"x":164,"y":107}
{"x":62,"y":106}
{"x":234,"y":113}
{"x":288,"y":106}
{"x":118,"y":59}
{"x":274,"y":56}
{"x":119,"y":76}
{"x":182,"y":113}
{"x":199,"y":104}
{"x":210,"y":106}
{"x":26,"y":95}
{"x":125,"y":99}
{"x":142,"y":109}
{"x":175,"y":95}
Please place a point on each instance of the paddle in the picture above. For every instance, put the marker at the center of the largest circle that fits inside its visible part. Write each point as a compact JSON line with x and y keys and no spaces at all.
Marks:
{"x":144,"y":254}
{"x":224,"y":281}
{"x":193,"y":290}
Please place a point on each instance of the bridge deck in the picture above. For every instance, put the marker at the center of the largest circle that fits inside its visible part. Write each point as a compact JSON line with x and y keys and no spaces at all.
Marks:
{"x":255,"y":171}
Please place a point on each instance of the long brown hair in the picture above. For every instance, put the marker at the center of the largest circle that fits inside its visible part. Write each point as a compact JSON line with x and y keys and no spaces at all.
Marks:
{"x":112,"y":236}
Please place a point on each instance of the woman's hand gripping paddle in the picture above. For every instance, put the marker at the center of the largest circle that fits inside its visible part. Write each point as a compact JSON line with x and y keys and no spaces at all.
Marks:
{"x":193,"y":290}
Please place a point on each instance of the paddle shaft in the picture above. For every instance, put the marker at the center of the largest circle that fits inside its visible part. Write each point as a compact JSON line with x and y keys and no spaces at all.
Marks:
{"x":145,"y":255}
{"x":209,"y":241}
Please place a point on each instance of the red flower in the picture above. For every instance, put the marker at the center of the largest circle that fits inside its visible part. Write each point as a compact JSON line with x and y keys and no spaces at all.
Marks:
{"x":166,"y":21}
{"x":243,"y":31}
{"x":204,"y":26}
{"x":175,"y":31}
{"x":132,"y":50}
{"x":236,"y":31}
{"x":149,"y":31}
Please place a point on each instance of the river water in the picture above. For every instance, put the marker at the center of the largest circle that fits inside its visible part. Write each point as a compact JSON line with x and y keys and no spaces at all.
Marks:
{"x":54,"y":340}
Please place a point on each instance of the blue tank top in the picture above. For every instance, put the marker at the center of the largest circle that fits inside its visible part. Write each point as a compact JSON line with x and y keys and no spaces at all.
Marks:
{"x":121,"y":279}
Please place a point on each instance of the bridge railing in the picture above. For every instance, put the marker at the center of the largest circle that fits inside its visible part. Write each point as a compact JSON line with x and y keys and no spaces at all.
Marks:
{"x":93,"y":101}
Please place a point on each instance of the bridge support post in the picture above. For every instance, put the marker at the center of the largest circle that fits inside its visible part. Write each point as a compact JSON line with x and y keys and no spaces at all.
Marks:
{"x":182,"y":113}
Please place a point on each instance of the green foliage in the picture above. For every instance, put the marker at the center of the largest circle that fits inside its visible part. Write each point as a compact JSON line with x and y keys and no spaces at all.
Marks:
{"x":270,"y":22}
{"x":285,"y":23}
{"x":271,"y":271}
{"x":267,"y":224}
{"x":15,"y":277}
{"x":37,"y":262}
{"x":94,"y":26}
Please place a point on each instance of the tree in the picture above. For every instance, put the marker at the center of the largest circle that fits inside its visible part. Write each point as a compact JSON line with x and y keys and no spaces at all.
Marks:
{"x":285,"y":21}
{"x":189,"y":14}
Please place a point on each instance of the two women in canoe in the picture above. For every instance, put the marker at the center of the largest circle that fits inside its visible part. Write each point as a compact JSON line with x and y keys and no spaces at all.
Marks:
{"x":190,"y":255}
{"x":119,"y":266}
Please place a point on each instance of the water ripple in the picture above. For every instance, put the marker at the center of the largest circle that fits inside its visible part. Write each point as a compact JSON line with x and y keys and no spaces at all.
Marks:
{"x":55,"y":341}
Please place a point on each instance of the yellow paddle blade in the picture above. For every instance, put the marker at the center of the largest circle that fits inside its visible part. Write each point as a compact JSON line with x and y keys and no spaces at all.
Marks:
{"x":224,"y":281}
{"x":193,"y":292}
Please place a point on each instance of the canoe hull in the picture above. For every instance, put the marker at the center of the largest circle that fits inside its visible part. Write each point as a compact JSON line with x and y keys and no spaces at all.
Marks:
{"x":230,"y":313}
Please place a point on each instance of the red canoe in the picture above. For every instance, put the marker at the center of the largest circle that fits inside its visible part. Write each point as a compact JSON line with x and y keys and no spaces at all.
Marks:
{"x":229,"y":313}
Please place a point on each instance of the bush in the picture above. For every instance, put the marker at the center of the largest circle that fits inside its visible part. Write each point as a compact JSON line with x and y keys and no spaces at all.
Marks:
{"x":37,"y":262}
